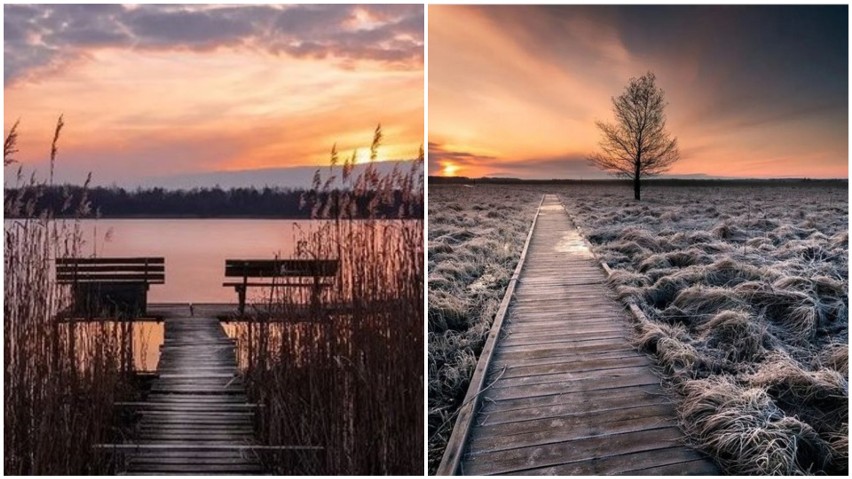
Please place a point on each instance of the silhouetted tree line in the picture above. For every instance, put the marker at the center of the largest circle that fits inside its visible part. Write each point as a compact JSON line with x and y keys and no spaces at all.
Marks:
{"x":214,"y":202}
{"x":685,"y":182}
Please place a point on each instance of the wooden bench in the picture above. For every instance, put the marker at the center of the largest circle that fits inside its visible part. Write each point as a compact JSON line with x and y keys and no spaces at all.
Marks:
{"x":280,"y":273}
{"x":110,"y":285}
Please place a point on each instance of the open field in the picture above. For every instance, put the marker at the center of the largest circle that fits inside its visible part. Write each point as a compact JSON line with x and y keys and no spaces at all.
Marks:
{"x":475,"y":238}
{"x":744,"y":287}
{"x":745,"y":292}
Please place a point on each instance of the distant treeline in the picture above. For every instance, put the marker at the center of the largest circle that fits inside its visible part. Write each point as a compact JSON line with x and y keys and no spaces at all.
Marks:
{"x":214,"y":202}
{"x":438,"y":180}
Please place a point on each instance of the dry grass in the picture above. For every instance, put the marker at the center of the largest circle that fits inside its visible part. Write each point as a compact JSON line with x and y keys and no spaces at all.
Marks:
{"x":59,"y":379}
{"x":475,"y":238}
{"x":351,"y":383}
{"x":746,"y":294}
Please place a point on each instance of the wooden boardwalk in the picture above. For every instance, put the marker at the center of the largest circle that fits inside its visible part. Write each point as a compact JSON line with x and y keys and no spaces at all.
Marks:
{"x":559,"y":389}
{"x":196,"y":418}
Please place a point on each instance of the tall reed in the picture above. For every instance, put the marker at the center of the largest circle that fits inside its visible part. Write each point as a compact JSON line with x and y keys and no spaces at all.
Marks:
{"x":348,"y":375}
{"x":59,"y":378}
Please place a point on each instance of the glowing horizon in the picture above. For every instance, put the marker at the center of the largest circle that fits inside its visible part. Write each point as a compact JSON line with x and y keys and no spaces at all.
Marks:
{"x":149,"y":90}
{"x":516,"y":90}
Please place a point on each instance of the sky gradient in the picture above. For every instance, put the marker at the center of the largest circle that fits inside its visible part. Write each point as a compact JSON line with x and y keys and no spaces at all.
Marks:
{"x":752,"y":91}
{"x":159,"y":90}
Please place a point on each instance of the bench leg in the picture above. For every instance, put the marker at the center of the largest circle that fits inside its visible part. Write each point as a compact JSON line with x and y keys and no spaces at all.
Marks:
{"x":315,"y":297}
{"x":241,"y":294}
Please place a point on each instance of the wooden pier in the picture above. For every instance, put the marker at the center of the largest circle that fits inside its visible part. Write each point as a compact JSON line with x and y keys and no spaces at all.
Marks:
{"x":558,"y":388}
{"x":196,"y":419}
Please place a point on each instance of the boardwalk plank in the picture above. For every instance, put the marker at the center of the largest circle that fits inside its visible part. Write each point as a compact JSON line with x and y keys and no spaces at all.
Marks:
{"x":633,"y":463}
{"x":530,"y":457}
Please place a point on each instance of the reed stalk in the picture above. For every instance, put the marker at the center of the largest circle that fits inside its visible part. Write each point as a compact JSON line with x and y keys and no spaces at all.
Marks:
{"x":59,"y":377}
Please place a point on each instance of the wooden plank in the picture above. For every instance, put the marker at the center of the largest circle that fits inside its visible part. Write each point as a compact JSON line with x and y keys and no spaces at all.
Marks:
{"x":507,"y":425}
{"x":601,"y":376}
{"x":560,"y":388}
{"x":270,"y":284}
{"x":109,"y":277}
{"x":184,"y":446}
{"x":574,"y":366}
{"x":220,"y":468}
{"x":112,"y":260}
{"x":620,"y":464}
{"x":567,"y":407}
{"x":280,"y":267}
{"x":96,"y":268}
{"x":695,"y":467}
{"x":582,"y":431}
{"x":510,"y":460}
{"x":513,"y":360}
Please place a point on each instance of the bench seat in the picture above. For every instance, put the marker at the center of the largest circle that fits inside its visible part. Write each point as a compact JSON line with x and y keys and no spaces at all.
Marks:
{"x":274,"y":273}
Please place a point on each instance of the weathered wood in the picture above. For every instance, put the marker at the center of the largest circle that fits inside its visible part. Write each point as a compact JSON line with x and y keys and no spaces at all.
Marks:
{"x":562,"y":390}
{"x":214,"y":449}
{"x":106,"y":277}
{"x":280,"y":267}
{"x":197,"y":415}
{"x":553,"y":454}
{"x":632,"y":463}
{"x":275,"y":285}
{"x":111,"y":260}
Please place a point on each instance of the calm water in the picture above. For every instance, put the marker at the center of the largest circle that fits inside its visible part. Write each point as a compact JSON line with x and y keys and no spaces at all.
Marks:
{"x":195,"y":250}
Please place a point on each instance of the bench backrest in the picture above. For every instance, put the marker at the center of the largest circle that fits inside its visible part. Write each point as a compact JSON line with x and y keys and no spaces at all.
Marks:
{"x":111,"y":270}
{"x":262,"y":268}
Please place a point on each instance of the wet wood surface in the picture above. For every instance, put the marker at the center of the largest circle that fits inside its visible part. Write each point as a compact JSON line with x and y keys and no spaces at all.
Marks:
{"x":565,"y":393}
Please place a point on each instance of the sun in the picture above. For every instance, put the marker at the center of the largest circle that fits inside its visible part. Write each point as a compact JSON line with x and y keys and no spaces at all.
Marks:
{"x":450,"y":169}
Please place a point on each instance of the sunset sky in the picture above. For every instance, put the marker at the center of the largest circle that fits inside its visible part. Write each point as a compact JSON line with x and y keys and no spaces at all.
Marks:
{"x":152,"y":91}
{"x":752,"y":91}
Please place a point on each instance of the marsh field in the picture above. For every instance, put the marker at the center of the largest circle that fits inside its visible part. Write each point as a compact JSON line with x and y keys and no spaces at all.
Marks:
{"x":744,"y":290}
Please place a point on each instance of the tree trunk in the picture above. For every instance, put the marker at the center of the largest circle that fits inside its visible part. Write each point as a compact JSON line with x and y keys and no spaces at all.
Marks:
{"x":636,"y":174}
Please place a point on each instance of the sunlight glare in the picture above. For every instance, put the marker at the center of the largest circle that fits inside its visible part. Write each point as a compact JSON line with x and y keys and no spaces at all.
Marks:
{"x":450,"y":169}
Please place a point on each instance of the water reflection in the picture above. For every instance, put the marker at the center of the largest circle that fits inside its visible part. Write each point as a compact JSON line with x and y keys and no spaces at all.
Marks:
{"x":145,"y":348}
{"x":195,"y":250}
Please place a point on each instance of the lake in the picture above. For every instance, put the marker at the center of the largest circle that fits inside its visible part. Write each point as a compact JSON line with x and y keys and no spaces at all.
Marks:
{"x":194,"y":250}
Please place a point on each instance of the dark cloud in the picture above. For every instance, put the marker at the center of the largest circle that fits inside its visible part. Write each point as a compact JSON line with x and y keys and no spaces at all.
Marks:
{"x":755,"y":63}
{"x":312,"y":19}
{"x":187,"y":28}
{"x":562,"y":166}
{"x":396,"y":39}
{"x":49,"y":35}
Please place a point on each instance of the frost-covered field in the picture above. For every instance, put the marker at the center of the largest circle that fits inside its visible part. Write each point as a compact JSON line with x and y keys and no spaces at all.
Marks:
{"x":746,"y":295}
{"x":475,"y":238}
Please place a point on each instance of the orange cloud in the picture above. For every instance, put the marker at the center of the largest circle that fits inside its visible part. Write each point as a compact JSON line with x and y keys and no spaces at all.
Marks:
{"x":520,"y":86}
{"x":142,"y":112}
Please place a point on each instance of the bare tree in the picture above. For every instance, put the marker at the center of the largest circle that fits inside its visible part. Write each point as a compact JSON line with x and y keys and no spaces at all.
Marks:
{"x":637,"y":144}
